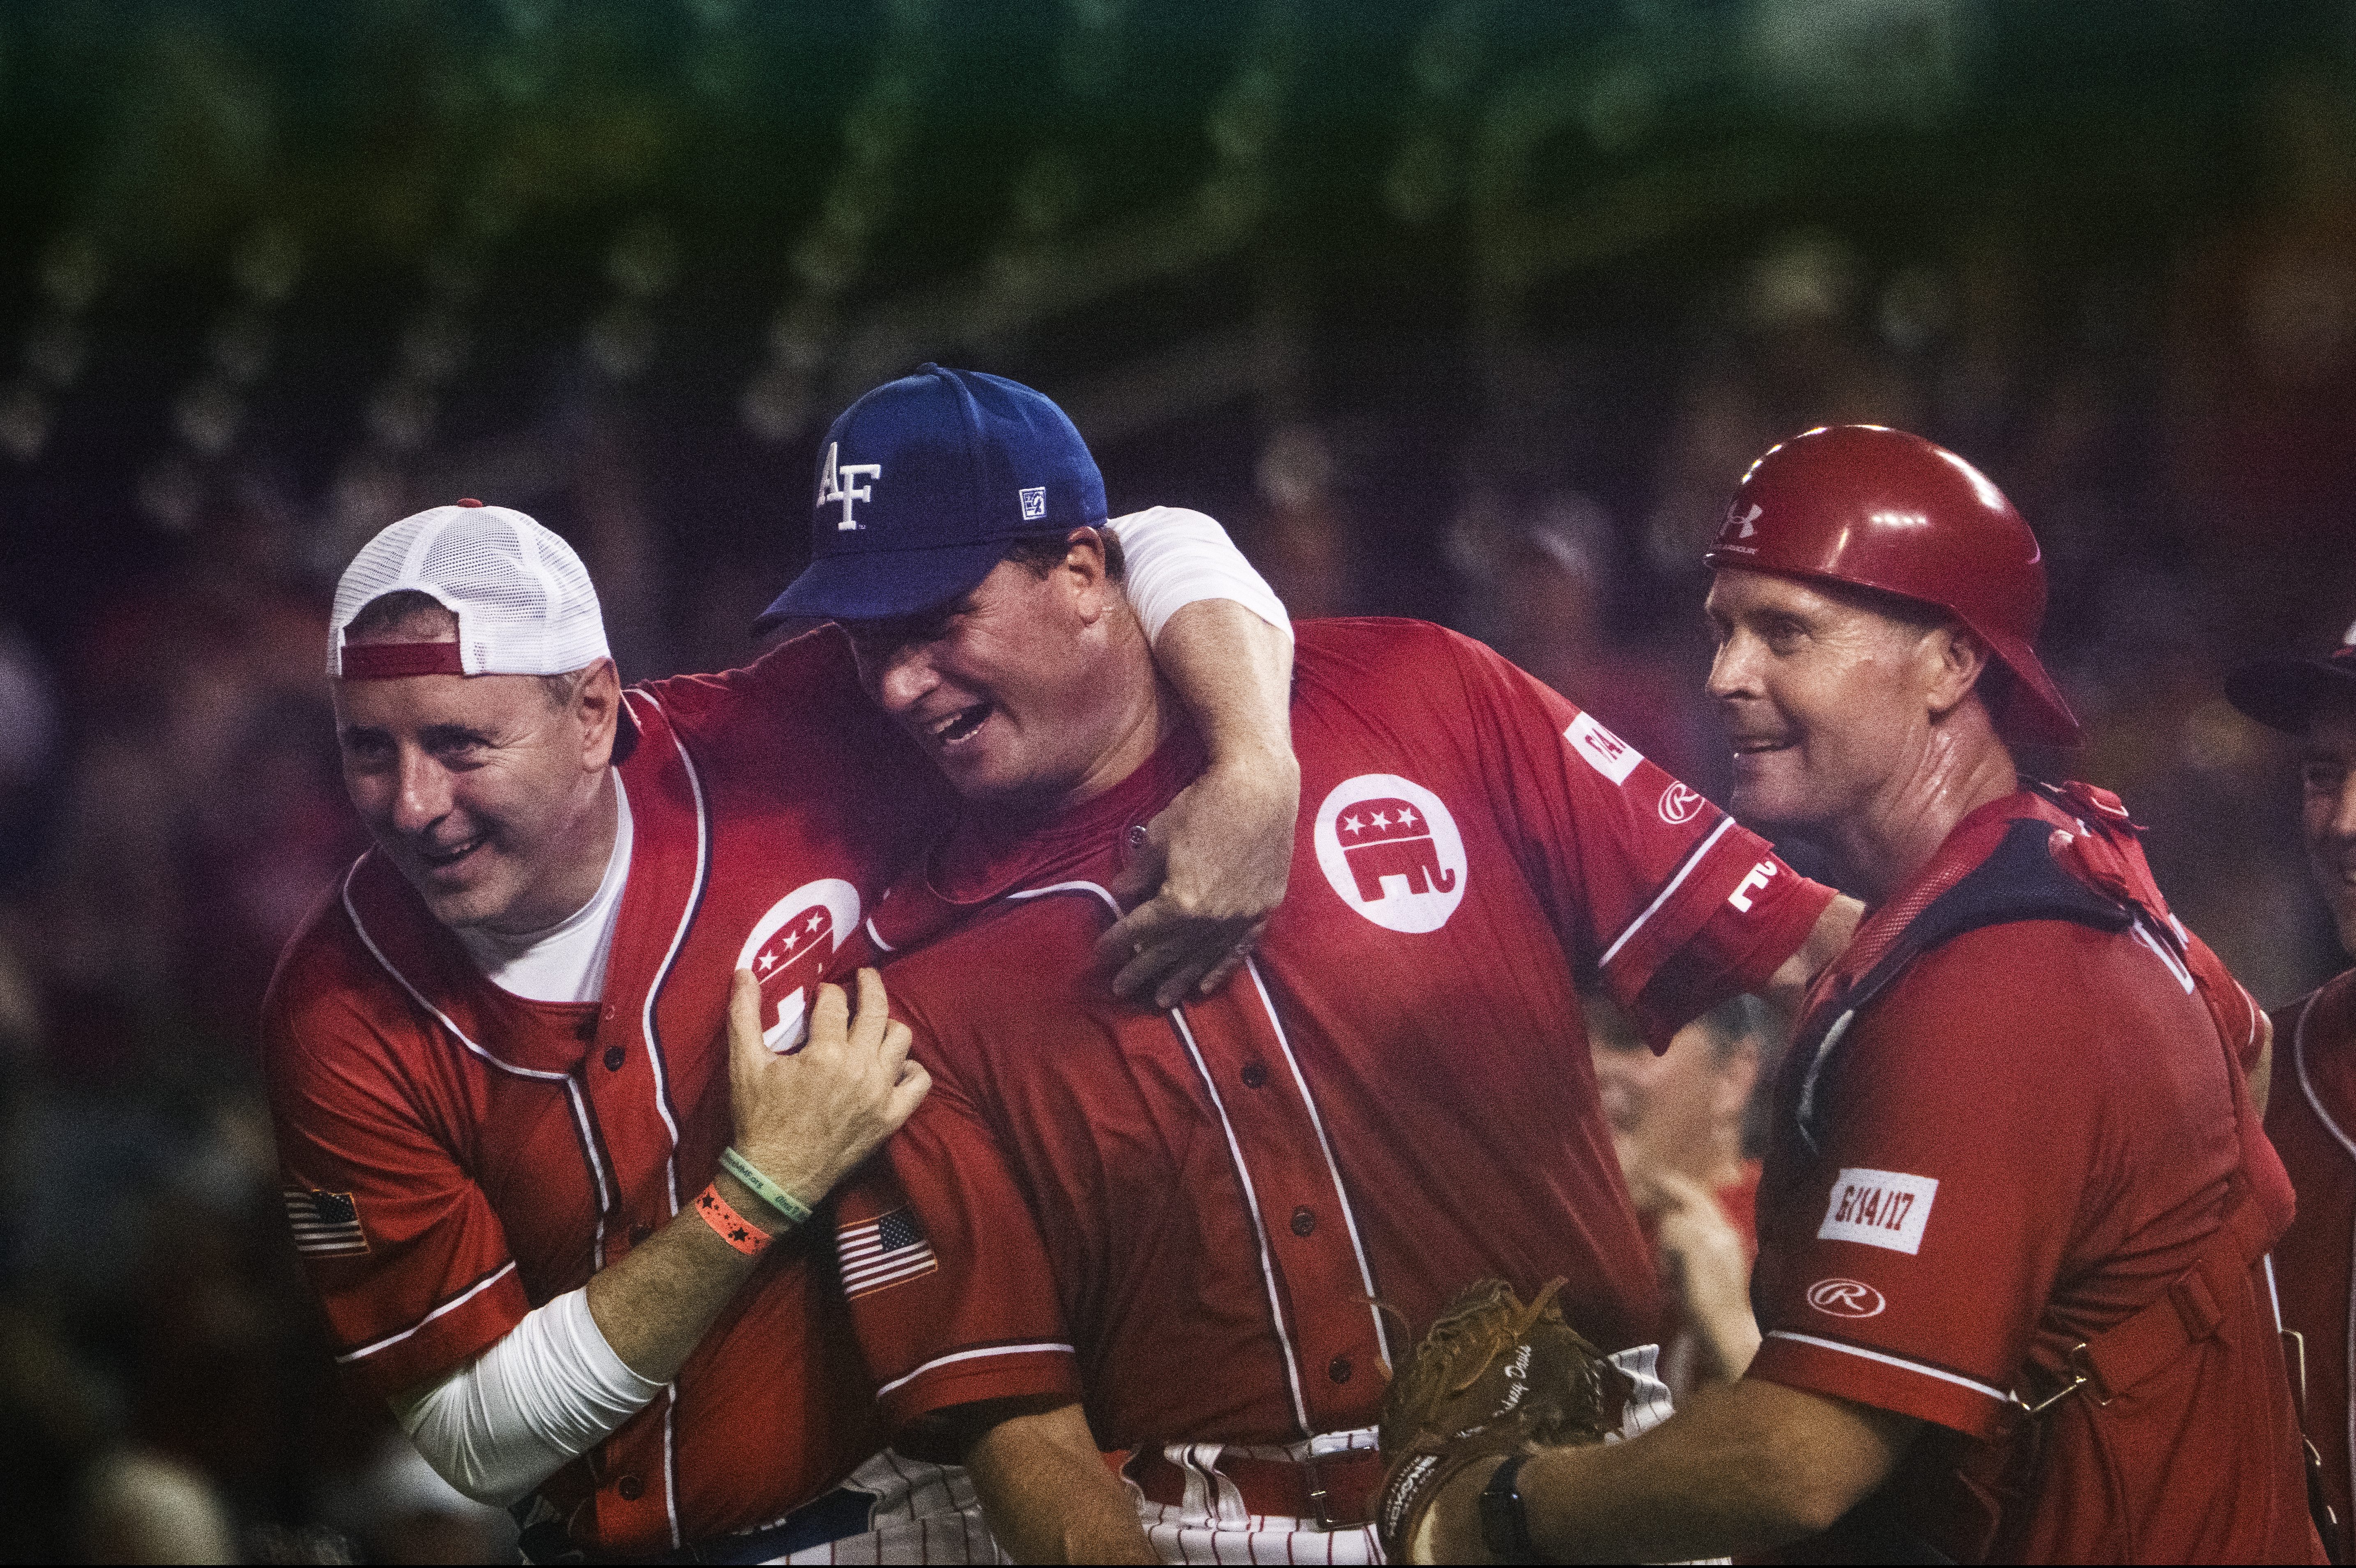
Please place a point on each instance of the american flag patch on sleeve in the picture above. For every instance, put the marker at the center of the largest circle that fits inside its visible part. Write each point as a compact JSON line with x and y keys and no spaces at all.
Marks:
{"x":326,"y":1224}
{"x":879,"y":1252}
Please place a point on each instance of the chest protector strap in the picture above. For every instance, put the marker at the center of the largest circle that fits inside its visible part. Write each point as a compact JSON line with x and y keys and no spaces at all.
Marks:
{"x":2092,"y":872}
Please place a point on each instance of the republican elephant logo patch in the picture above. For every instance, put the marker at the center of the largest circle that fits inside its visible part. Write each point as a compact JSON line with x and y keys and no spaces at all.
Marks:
{"x":789,"y":951}
{"x":1392,"y":853}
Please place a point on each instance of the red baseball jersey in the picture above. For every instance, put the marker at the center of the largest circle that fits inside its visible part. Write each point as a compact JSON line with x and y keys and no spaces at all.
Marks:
{"x":455,"y":1155}
{"x":1216,"y":1222}
{"x":2311,"y":1117}
{"x":2029,"y":1136}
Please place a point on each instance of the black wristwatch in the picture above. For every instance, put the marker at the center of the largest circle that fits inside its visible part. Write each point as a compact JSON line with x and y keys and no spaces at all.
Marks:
{"x":1504,"y":1524}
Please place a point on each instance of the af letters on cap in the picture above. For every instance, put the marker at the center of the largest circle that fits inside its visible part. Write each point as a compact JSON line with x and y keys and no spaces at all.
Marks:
{"x":1879,"y":1208}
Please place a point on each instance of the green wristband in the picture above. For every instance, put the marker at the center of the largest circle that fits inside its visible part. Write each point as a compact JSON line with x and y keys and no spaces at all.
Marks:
{"x":796,"y":1211}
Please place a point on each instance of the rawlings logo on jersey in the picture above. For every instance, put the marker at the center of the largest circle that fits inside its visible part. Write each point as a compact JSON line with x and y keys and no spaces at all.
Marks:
{"x":1391,"y":852}
{"x":1846,"y":1298}
{"x":788,"y":953}
{"x":1880,"y":1208}
{"x":1679,"y":804}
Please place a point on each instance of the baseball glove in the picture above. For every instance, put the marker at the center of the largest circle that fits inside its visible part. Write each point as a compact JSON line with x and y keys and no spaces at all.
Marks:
{"x":1492,"y":1377}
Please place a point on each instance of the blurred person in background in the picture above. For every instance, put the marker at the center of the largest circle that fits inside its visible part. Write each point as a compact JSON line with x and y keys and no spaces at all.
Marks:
{"x":1683,"y":1121}
{"x":2312,"y":1104}
{"x":139,"y":1507}
{"x":500,"y":1054}
{"x":1794,"y":351}
{"x":1303,"y":540}
{"x":2261,"y":371}
{"x":1541,"y":571}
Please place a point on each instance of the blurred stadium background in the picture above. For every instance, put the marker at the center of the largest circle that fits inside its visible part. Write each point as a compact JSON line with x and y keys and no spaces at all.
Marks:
{"x":1455,"y":308}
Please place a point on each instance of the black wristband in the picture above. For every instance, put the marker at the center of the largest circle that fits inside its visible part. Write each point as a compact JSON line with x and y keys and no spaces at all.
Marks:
{"x":1505,"y":1523}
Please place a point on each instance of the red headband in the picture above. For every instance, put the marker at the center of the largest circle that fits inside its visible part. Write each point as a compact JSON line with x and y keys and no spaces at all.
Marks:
{"x":392,"y":660}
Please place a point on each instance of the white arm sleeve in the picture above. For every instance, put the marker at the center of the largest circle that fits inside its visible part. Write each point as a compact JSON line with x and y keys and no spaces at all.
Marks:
{"x":545,"y":1393}
{"x":1176,"y":557}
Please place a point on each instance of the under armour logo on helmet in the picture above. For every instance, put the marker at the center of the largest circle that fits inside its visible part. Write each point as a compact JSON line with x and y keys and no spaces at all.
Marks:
{"x":1741,"y":527}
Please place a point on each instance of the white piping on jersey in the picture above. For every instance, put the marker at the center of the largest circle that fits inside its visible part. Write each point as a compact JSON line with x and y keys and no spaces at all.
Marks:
{"x":1236,"y":1154}
{"x":1260,"y":1231}
{"x":1041,"y":1349}
{"x":671,"y":1463}
{"x":605,"y":1198}
{"x":877,"y":936}
{"x":2175,"y":966}
{"x":455,"y":1302}
{"x":1325,"y":1146}
{"x":2315,"y":1103}
{"x":2274,"y":1296}
{"x":1807,"y":1109}
{"x":1650,"y":910}
{"x":1903,"y":1366}
{"x":2314,"y":1100}
{"x":1110,"y":902}
{"x":662,"y":1076}
{"x":679,"y":939}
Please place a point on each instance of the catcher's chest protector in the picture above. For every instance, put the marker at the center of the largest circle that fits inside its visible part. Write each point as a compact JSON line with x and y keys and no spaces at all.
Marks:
{"x":2092,"y":873}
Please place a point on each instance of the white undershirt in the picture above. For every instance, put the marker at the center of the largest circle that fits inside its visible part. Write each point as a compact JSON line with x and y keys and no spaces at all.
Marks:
{"x":565,"y":961}
{"x":1178,"y":557}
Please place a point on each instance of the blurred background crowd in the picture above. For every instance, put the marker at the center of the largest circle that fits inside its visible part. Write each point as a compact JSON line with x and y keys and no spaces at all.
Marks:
{"x":1467,"y":309}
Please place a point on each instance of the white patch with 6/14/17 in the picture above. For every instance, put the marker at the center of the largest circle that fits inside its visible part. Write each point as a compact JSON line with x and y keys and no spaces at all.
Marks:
{"x":1879,"y":1208}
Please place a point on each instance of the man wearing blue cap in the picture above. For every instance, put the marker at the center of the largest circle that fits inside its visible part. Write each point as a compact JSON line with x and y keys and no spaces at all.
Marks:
{"x":1116,"y":1229}
{"x":929,"y":482}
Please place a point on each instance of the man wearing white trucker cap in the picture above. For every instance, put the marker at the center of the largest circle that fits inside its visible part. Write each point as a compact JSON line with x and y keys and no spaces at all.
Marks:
{"x":534,"y":1144}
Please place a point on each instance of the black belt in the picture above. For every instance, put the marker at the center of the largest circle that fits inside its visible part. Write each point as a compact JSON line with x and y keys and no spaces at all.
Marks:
{"x":841,"y":1512}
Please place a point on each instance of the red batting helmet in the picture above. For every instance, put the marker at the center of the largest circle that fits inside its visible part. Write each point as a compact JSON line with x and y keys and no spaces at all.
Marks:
{"x":1883,"y":510}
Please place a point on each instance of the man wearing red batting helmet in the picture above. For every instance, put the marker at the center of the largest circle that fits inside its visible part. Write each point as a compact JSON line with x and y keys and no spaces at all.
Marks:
{"x":548,"y":1174}
{"x":2311,"y":1107}
{"x":1191,"y":1233}
{"x":2017,"y":1200}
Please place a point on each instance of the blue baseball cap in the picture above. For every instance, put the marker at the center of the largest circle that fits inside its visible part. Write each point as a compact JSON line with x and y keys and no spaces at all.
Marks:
{"x":922,"y":484}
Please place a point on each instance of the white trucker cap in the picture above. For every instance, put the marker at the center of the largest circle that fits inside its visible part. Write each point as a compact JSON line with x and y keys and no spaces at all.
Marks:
{"x":524,"y":602}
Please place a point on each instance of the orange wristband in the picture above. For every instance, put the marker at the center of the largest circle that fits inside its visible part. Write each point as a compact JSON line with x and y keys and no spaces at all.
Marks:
{"x":735,"y":1228}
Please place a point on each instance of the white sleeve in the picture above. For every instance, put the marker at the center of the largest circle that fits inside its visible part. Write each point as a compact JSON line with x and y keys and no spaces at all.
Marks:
{"x":1176,"y":557}
{"x":548,"y":1391}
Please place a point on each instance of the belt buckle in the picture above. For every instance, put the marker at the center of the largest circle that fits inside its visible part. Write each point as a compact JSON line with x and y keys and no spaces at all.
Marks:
{"x":1317,"y":1492}
{"x":2081,"y":1376}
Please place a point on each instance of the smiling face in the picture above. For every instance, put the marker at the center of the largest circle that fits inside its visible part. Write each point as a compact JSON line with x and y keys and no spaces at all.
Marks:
{"x":1030,"y":692}
{"x":2327,"y":812}
{"x":490,"y":797}
{"x":1828,"y":702}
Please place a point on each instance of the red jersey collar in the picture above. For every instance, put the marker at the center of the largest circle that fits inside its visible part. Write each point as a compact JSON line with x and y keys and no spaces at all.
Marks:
{"x":982,"y":858}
